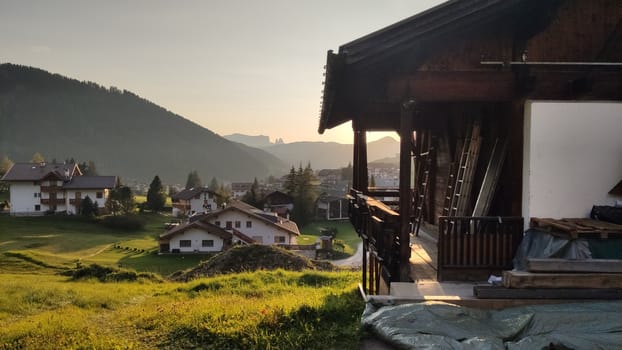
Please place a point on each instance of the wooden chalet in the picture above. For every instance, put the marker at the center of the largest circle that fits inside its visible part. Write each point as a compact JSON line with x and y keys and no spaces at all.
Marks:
{"x":455,"y":82}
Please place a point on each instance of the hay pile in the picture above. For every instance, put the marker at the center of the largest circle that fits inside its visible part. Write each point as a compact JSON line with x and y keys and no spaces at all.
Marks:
{"x":251,"y":258}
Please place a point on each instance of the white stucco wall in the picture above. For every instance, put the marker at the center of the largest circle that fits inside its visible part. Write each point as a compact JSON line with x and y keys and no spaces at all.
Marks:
{"x":196,"y":237}
{"x":196,"y":204}
{"x":22,"y":198}
{"x":92,"y":194}
{"x":258,"y":227}
{"x":572,"y":157}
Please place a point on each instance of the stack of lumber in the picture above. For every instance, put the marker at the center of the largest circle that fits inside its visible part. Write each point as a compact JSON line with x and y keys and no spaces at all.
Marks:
{"x":559,"y":279}
{"x":575,"y":228}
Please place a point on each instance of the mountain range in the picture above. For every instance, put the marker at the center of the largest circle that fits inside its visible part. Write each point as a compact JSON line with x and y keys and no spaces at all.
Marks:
{"x":129,"y":136}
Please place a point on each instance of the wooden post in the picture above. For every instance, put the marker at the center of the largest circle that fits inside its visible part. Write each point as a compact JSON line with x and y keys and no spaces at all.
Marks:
{"x":406,"y":132}
{"x":365,"y":249}
{"x":359,"y":168}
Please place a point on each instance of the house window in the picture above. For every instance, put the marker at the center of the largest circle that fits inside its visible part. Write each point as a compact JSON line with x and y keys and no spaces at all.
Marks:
{"x":99,"y":195}
{"x":206,"y":243}
{"x":37,"y":195}
{"x":249,"y":224}
{"x":217,"y":223}
{"x":229,"y":225}
{"x":185,"y":243}
{"x":279,"y":239}
{"x":238,"y":224}
{"x":37,"y":207}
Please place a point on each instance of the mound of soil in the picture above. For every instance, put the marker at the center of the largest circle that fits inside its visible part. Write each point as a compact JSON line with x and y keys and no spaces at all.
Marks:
{"x":251,"y":258}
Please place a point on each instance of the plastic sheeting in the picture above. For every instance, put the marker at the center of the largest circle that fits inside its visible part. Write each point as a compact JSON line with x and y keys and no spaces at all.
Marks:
{"x":541,"y":244}
{"x":437,"y":325}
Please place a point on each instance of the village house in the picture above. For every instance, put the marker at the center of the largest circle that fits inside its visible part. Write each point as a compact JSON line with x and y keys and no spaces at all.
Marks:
{"x":39,"y":188}
{"x":506,"y":110}
{"x":329,"y":207}
{"x":237,"y":223}
{"x":240,"y":189}
{"x":194,"y":200}
{"x":279,"y":203}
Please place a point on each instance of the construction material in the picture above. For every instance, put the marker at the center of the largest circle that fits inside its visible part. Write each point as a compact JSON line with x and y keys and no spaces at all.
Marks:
{"x":520,"y":279}
{"x":573,"y":265}
{"x":491,"y":178}
{"x":577,"y":227}
{"x":498,"y":292}
{"x":460,"y":200}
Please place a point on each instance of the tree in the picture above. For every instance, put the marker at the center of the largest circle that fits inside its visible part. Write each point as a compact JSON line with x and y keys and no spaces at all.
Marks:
{"x":88,"y":169}
{"x":300,"y":184}
{"x":213,"y":184}
{"x":193,"y":180}
{"x":37,"y":158}
{"x":88,"y":208}
{"x":372,"y":181}
{"x":156,"y":196}
{"x":5,"y":165}
{"x":252,"y":197}
{"x":223,"y":195}
{"x":120,"y":200}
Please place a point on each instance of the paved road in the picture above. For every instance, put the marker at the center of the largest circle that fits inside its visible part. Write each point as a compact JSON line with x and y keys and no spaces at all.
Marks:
{"x":355,"y":260}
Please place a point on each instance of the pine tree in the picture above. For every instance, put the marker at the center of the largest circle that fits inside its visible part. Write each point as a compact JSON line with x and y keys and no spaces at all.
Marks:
{"x":213,"y":185}
{"x":252,"y":197}
{"x":156,"y":197}
{"x":193,"y":180}
{"x":88,"y":208}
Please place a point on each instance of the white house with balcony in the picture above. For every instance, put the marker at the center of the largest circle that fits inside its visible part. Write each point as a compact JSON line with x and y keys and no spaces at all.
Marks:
{"x":194,"y":200}
{"x":38,"y":188}
{"x":237,"y":223}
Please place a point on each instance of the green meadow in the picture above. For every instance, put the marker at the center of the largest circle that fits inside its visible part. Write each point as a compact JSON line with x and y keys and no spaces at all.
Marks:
{"x":43,"y":308}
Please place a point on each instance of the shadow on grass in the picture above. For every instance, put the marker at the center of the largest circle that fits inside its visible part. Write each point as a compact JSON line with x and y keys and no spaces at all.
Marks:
{"x":164,"y":264}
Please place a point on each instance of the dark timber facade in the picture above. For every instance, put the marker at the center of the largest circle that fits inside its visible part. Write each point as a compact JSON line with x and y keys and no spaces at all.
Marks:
{"x":453,"y":81}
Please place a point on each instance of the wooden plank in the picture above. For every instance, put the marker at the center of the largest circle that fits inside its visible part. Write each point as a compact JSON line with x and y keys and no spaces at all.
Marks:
{"x":498,"y":292}
{"x":574,"y":265}
{"x":491,"y":178}
{"x":520,"y":279}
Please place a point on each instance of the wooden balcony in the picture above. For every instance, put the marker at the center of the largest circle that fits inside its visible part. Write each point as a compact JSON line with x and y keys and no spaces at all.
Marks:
{"x":57,"y":201}
{"x":50,"y":189}
{"x":460,"y":249}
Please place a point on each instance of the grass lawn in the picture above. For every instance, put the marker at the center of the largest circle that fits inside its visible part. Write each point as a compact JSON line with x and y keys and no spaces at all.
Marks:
{"x":261,"y":310}
{"x":345,"y":233}
{"x":30,"y":244}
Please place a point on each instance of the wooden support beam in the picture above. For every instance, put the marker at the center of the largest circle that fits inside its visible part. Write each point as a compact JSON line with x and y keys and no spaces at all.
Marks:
{"x":520,"y":279}
{"x":574,"y":265}
{"x":406,"y":132}
{"x":483,"y":85}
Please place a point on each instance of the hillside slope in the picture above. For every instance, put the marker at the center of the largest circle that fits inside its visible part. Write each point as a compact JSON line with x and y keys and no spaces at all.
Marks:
{"x":121,"y":132}
{"x":330,"y":155}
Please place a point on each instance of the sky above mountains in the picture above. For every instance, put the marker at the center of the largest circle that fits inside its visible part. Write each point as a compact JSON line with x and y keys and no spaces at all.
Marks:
{"x":252,"y":67}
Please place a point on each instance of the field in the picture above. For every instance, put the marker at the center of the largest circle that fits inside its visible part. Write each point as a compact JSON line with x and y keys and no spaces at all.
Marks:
{"x":261,"y":310}
{"x":345,"y":234}
{"x":42,"y":309}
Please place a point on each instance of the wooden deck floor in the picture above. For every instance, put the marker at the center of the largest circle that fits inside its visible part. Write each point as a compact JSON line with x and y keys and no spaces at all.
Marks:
{"x":424,"y":253}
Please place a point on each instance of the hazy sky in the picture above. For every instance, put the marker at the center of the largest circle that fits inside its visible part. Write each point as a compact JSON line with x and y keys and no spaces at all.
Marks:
{"x":253,"y":67}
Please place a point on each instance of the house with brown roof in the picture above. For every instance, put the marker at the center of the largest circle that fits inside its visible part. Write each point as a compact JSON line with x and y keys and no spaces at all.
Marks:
{"x":37,"y":188}
{"x":237,"y":223}
{"x":194,"y":200}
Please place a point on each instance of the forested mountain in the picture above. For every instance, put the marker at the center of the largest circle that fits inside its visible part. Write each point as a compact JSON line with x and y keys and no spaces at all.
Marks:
{"x":121,"y":132}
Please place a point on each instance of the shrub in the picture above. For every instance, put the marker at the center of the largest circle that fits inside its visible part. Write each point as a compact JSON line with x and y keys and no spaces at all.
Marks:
{"x":124,"y":222}
{"x":109,"y":274}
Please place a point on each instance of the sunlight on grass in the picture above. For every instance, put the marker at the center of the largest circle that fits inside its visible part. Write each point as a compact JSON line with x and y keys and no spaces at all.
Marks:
{"x":277,"y":309}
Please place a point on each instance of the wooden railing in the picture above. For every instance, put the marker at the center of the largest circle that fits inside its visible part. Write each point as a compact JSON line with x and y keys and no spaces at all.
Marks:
{"x":57,"y":201}
{"x":378,"y":226}
{"x":473,"y":248}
